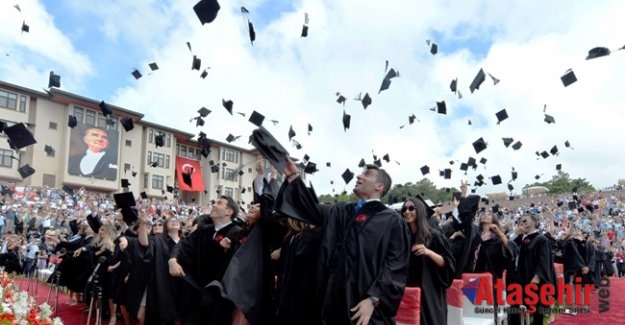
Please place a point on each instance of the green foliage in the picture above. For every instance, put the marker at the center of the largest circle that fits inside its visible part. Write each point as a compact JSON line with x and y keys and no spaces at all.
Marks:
{"x":562,"y":183}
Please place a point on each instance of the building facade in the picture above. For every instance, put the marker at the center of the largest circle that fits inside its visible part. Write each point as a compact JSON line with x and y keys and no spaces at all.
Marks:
{"x":132,"y":155}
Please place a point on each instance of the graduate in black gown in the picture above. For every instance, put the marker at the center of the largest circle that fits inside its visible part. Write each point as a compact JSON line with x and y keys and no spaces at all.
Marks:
{"x":365,"y":248}
{"x":465,"y":234}
{"x":431,"y":265}
{"x":534,"y":264}
{"x":200,"y":259}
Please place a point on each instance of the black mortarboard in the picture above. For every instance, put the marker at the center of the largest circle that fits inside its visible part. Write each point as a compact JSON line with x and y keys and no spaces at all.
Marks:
{"x":25,"y":28}
{"x":510,"y":187}
{"x":471,"y":162}
{"x":214,"y":168}
{"x":125,"y":182}
{"x":206,"y":10}
{"x":106,"y":110}
{"x":71,"y":121}
{"x":425,"y":170}
{"x":310,"y":128}
{"x":341,"y":99}
{"x":347,"y":176}
{"x":441,"y":107}
{"x":496,"y":180}
{"x":159,"y":140}
{"x":515,"y":175}
{"x":230,"y":138}
{"x":204,"y":74}
{"x":144,"y":195}
{"x":477,"y":81}
{"x":136,"y":73}
{"x":199,"y":121}
{"x":362,"y":163}
{"x":127,"y":123}
{"x":297,"y":145}
{"x":495,"y":80}
{"x":306,"y":157}
{"x":241,"y":172}
{"x":377,"y":162}
{"x":386,"y":158}
{"x":480,"y":177}
{"x":366,"y":101}
{"x":479,"y":145}
{"x":328,"y":164}
{"x":94,"y":222}
{"x":453,"y":85}
{"x":434,"y":49}
{"x":54,"y":80}
{"x":346,"y":119}
{"x":483,"y":161}
{"x":411,"y":118}
{"x":134,"y":173}
{"x":48,"y":149}
{"x":537,"y":177}
{"x":447,"y":173}
{"x":304,"y":31}
{"x":517,"y":145}
{"x":154,"y":163}
{"x":153,"y":66}
{"x":196,"y":64}
{"x":387,"y":79}
{"x":544,"y":154}
{"x":567,"y":144}
{"x":464,"y":167}
{"x":554,"y":150}
{"x":597,"y":52}
{"x":26,"y":171}
{"x":310,"y":168}
{"x":126,"y":202}
{"x":549,"y":119}
{"x":501,"y":116}
{"x":559,"y":167}
{"x":291,"y":132}
{"x":19,"y":136}
{"x":170,"y":189}
{"x":228,"y":105}
{"x":441,"y":173}
{"x":257,"y":118}
{"x":68,"y":190}
{"x":269,"y":148}
{"x":572,"y":205}
{"x":204,"y":111}
{"x":186,"y":178}
{"x":568,"y":78}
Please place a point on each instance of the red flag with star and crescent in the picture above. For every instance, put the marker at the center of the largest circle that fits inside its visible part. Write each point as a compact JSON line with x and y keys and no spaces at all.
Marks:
{"x":192,"y":167}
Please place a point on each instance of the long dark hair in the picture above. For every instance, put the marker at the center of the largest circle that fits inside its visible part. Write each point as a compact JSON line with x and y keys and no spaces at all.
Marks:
{"x":424,"y":232}
{"x":493,"y":217}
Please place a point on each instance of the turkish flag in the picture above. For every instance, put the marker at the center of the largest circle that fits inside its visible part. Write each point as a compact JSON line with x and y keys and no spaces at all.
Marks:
{"x":192,"y":167}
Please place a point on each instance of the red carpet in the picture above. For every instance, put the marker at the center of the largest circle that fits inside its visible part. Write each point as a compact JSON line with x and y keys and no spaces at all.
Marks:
{"x":614,"y":315}
{"x":70,"y":315}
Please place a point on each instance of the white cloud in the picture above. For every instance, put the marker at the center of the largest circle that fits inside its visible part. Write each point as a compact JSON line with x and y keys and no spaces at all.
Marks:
{"x":294,"y":79}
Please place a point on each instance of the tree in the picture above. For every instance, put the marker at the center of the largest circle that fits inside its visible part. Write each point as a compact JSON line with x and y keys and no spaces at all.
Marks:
{"x":562,"y":183}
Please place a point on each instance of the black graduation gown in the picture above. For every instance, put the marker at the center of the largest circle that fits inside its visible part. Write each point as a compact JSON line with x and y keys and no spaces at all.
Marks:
{"x":204,"y":260}
{"x":463,"y":249}
{"x":138,"y":271}
{"x":361,"y":255}
{"x":297,"y":299}
{"x":432,"y":280}
{"x":576,"y":254}
{"x":534,"y":259}
{"x":162,"y":300}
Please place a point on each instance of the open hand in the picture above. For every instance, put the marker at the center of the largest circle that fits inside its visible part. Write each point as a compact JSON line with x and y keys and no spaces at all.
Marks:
{"x":362,"y":312}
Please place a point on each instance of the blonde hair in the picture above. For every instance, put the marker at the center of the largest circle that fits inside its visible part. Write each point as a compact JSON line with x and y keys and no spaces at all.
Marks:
{"x":106,"y":237}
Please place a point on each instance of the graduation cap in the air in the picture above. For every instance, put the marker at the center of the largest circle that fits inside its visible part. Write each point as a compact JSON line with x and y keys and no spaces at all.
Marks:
{"x":567,"y":144}
{"x":515,"y":174}
{"x":464,"y":167}
{"x":386,"y":158}
{"x":49,"y":150}
{"x":537,"y":177}
{"x":304,"y":31}
{"x":159,"y":140}
{"x":105,"y":108}
{"x":597,"y":52}
{"x":154,"y":164}
{"x":544,"y":154}
{"x":549,"y":119}
{"x":447,"y":173}
{"x":94,"y":222}
{"x":291,"y":133}
{"x":214,"y":169}
{"x":25,"y":171}
{"x":495,"y":80}
{"x":568,"y":78}
{"x":501,"y":116}
{"x":269,"y":148}
{"x":387,"y":80}
{"x":433,"y":48}
{"x":125,"y":182}
{"x":454,"y":85}
{"x":25,"y":28}
{"x":559,"y":167}
{"x":517,"y":145}
{"x":310,"y":168}
{"x":126,"y":202}
{"x":230,"y":138}
{"x":251,"y":31}
{"x":347,"y":176}
{"x":206,"y":10}
{"x":257,"y":118}
{"x":136,"y":74}
{"x":340,"y":99}
{"x":411,"y":118}
{"x":54,"y":80}
{"x":127,"y":123}
{"x":554,"y":150}
{"x":496,"y":179}
{"x":346,"y":120}
{"x":507,"y":141}
{"x":153,"y":66}
{"x":72,"y":121}
{"x":196,"y":64}
{"x":144,"y":195}
{"x":366,"y":101}
{"x":204,"y":111}
{"x":19,"y":136}
{"x":425,"y":170}
{"x":477,"y":81}
{"x":227,"y":105}
{"x":510,"y":187}
{"x":479,"y":145}
{"x":362,"y":163}
{"x":441,"y":107}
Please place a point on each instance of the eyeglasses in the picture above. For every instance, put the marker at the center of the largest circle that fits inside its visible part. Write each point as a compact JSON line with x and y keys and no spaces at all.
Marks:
{"x":409,"y":208}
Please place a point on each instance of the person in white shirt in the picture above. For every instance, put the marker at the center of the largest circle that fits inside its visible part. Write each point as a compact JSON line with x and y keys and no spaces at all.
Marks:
{"x":98,"y":159}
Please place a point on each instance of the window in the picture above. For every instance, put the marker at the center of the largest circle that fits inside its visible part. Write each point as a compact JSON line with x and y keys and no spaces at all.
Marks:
{"x":229,"y":174}
{"x":183,"y":151}
{"x":5,"y":158}
{"x":161,"y":159}
{"x":89,"y":118}
{"x":52,"y":126}
{"x":149,"y":157}
{"x":78,"y":113}
{"x":230,"y":155}
{"x":198,"y":154}
{"x":22,"y":103}
{"x":168,"y":141}
{"x":8,"y":100}
{"x":150,"y":136}
{"x":145,"y":180}
{"x":166,"y":161}
{"x":128,"y":143}
{"x":229,"y":191}
{"x":157,"y":181}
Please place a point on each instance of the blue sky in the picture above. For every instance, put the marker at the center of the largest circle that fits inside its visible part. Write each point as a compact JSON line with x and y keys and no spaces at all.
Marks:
{"x":95,"y":46}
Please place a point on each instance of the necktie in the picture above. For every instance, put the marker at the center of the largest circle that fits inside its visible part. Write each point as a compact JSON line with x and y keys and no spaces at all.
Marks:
{"x":359,"y":205}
